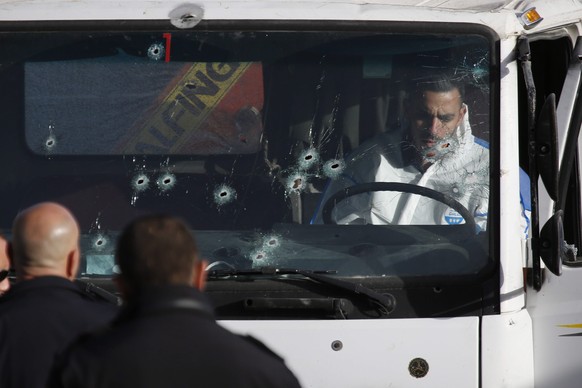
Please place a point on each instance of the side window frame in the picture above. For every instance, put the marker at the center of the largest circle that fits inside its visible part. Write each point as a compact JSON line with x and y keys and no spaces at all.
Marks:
{"x":572,"y":198}
{"x":552,"y":61}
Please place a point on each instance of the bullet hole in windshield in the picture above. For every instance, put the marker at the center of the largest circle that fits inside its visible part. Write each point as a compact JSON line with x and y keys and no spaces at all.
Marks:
{"x":265,"y":252}
{"x":141,"y":182}
{"x":308,"y":159}
{"x":259,"y":258}
{"x":298,"y":179}
{"x":100,"y":242}
{"x":473,"y":69}
{"x":166,"y":182}
{"x":271,"y":242}
{"x":156,"y":51}
{"x":477,"y":71}
{"x":469,"y":181}
{"x":224,"y":194}
{"x":50,"y":143}
{"x":296,"y":182}
{"x":333,"y":168}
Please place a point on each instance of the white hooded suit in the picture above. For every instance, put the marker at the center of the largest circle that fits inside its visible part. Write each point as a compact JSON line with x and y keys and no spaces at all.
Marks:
{"x":461,"y":172}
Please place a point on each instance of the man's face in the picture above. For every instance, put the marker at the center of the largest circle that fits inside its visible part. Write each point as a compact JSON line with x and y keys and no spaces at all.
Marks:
{"x":434,"y":120}
{"x":4,"y":266}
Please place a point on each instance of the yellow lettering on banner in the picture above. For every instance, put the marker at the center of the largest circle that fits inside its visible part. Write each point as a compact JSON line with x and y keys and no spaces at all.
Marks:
{"x":186,"y":107}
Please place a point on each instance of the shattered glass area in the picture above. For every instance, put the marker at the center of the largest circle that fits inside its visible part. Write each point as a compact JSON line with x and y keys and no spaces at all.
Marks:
{"x":51,"y":141}
{"x":156,"y":51}
{"x":224,"y":195}
{"x":280,"y":149}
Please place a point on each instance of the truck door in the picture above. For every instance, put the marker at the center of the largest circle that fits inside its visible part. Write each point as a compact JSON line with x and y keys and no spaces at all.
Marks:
{"x":556,"y":309}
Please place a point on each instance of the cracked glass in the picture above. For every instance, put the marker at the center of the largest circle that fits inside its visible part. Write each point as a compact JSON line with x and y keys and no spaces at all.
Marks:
{"x":360,"y":153}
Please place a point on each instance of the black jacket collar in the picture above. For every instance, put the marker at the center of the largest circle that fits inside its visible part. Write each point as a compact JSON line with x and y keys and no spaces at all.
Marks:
{"x":163,"y":299}
{"x":41,"y":282}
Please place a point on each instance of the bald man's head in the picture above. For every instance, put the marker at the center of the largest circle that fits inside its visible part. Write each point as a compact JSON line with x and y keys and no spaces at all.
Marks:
{"x":45,"y":242}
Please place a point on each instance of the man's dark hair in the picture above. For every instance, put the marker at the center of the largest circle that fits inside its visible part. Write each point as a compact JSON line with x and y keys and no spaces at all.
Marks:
{"x":156,"y":250}
{"x":440,"y":83}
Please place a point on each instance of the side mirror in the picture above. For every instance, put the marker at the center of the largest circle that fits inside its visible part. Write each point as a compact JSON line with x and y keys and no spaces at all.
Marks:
{"x":552,"y":243}
{"x":546,"y":152}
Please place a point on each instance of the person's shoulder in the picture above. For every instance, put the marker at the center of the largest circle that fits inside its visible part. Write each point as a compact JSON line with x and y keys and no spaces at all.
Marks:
{"x":260,"y":346}
{"x":259,"y":349}
{"x":251,"y":348}
{"x":476,"y":151}
{"x":79,"y":355}
{"x":89,"y":345}
{"x":38,"y":294}
{"x":88,"y":339}
{"x":276,"y":369}
{"x":481,"y":143}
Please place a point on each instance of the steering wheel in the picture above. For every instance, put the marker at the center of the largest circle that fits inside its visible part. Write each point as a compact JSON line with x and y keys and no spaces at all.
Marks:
{"x":400,"y":187}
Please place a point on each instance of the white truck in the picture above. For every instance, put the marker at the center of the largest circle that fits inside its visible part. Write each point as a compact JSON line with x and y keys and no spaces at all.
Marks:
{"x":237,"y":114}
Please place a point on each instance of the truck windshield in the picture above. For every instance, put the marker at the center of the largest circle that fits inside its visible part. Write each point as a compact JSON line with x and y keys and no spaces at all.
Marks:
{"x":362,"y":154}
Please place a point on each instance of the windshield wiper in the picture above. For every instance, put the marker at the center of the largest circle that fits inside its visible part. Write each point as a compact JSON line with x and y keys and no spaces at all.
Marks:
{"x":385,"y":303}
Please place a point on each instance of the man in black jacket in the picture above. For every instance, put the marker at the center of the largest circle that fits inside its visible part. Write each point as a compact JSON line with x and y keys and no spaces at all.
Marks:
{"x":166,"y":336}
{"x":44,"y":311}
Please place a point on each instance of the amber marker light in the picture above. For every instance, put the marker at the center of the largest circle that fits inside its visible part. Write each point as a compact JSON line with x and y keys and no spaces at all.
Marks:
{"x":530,"y":18}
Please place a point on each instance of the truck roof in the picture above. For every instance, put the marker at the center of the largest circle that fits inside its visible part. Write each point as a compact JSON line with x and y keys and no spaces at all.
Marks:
{"x":500,"y":15}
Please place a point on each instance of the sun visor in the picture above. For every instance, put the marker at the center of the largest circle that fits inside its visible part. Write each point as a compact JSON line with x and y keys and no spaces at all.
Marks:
{"x":119,"y":106}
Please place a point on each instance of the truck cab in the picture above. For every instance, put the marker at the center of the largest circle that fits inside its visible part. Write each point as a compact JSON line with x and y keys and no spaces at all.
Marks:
{"x":240,"y":117}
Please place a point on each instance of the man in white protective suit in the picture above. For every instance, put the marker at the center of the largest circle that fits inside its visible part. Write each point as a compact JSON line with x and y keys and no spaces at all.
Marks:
{"x":436,"y":150}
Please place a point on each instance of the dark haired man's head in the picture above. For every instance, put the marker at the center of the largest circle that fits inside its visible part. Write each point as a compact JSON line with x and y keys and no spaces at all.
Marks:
{"x":157,"y":251}
{"x":435,"y":111}
{"x":438,"y":83}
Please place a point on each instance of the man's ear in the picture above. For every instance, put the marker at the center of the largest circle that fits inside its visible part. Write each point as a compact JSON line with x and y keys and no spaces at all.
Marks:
{"x":199,"y":274}
{"x":463,"y":110}
{"x":73,"y":259}
{"x":462,"y":113}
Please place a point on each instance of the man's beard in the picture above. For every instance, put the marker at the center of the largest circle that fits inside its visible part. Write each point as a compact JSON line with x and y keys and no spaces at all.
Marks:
{"x":438,"y":150}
